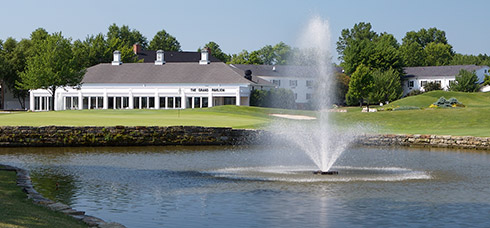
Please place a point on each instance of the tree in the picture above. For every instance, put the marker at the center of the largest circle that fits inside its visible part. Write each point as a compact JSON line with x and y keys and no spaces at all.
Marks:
{"x":360,"y":86}
{"x":275,"y":55}
{"x":341,"y":87}
{"x":426,"y":47}
{"x":386,"y":86}
{"x":164,"y":41}
{"x":244,"y":57}
{"x":15,"y":57}
{"x":92,"y":51}
{"x":274,"y":98}
{"x":216,"y":51}
{"x":52,"y":66}
{"x":438,"y":54}
{"x":349,"y":37}
{"x":127,"y":36}
{"x":466,"y":81}
{"x":361,"y":45}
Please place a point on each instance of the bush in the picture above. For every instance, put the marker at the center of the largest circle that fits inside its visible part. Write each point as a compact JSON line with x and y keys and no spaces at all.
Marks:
{"x":274,"y":98}
{"x":414,"y":93}
{"x":443,"y":103}
{"x":431,"y":86}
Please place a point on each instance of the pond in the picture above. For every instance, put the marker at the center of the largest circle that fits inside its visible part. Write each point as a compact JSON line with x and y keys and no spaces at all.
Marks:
{"x":259,"y":186}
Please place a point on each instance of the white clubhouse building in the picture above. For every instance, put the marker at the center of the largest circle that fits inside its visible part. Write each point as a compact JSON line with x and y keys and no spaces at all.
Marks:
{"x":157,"y":85}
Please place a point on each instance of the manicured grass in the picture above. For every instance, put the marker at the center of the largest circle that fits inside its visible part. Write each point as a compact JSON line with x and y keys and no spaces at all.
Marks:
{"x":17,"y":211}
{"x":471,"y":120}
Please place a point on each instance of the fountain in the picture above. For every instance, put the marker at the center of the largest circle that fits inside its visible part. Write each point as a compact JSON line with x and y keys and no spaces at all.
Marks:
{"x":320,"y":140}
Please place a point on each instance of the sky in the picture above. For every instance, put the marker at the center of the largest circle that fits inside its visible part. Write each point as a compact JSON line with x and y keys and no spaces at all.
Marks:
{"x":249,"y":24}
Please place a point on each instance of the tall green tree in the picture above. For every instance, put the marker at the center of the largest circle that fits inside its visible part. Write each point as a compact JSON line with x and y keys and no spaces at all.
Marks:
{"x":438,"y":54}
{"x":244,"y":57}
{"x":361,"y":45}
{"x":52,"y":66}
{"x":216,"y":51}
{"x":164,"y":41}
{"x":126,"y":36}
{"x":426,"y":47}
{"x":278,"y":54}
{"x":360,"y":86}
{"x":466,"y":81}
{"x":92,"y":51}
{"x":386,"y":86}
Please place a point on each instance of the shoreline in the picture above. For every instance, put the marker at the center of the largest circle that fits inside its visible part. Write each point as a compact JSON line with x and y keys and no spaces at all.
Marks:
{"x":23,"y":181}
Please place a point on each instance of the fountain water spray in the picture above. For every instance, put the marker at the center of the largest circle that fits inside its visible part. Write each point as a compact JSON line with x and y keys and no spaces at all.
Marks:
{"x":320,"y":140}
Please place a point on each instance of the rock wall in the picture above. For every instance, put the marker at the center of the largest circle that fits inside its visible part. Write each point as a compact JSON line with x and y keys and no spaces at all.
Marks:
{"x":124,"y":136}
{"x":189,"y":135}
{"x":442,"y":141}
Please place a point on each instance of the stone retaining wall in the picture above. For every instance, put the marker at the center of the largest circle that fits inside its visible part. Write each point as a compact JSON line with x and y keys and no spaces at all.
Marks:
{"x":441,"y":141}
{"x":124,"y":136}
{"x":189,"y":135}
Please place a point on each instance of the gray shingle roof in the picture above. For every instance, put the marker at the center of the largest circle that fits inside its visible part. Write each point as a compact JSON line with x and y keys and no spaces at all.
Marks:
{"x":438,"y":70}
{"x":281,"y":70}
{"x":215,"y":72}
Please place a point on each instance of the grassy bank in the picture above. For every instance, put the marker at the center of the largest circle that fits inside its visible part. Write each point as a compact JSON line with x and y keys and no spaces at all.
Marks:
{"x":17,"y":211}
{"x":471,"y":120}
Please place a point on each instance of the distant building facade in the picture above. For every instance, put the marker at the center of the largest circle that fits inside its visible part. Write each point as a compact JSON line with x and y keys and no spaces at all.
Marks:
{"x":183,"y":82}
{"x":300,"y":79}
{"x":416,"y":78}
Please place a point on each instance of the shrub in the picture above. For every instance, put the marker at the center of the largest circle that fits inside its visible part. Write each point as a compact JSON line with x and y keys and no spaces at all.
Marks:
{"x":431,"y":86}
{"x":414,"y":93}
{"x":406,"y":108}
{"x":443,"y":103}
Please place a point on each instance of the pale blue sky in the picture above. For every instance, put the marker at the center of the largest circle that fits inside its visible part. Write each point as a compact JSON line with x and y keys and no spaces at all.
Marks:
{"x":250,"y":24}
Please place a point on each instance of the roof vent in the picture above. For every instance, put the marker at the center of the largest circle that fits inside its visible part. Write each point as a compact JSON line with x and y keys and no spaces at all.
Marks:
{"x":160,"y":58}
{"x":248,"y":75}
{"x":117,"y":58}
{"x":274,"y":68}
{"x":204,"y":56}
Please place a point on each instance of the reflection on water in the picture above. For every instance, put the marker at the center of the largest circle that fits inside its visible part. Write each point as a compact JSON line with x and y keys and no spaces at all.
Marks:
{"x":263,"y":187}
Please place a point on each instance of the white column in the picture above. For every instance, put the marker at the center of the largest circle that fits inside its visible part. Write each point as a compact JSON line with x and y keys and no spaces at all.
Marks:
{"x":210,"y":99}
{"x":131,"y":100}
{"x":183,"y":100}
{"x":157,"y":100}
{"x":166,"y":102}
{"x":105,"y":104}
{"x":80,"y":100}
{"x":192,"y":102}
{"x":238,"y":97}
{"x":31,"y":101}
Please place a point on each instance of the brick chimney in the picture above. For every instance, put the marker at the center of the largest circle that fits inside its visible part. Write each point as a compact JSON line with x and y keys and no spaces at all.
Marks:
{"x":136,"y":48}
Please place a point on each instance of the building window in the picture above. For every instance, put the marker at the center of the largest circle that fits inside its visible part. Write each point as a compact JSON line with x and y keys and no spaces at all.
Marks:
{"x":423,"y":83}
{"x":293,"y":83}
{"x":276,"y":82}
{"x":410,"y":84}
{"x":309,"y":83}
{"x":438,"y":82}
{"x":308,"y":96}
{"x":295,"y":96}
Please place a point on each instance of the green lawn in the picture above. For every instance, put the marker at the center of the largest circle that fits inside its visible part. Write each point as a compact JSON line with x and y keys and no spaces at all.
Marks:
{"x":16,"y":211}
{"x":471,"y":120}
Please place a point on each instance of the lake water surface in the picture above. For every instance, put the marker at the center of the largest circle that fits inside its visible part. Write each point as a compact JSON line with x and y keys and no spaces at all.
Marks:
{"x":258,"y":186}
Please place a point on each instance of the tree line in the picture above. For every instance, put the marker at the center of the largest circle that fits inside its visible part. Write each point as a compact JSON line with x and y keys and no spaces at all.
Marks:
{"x":375,"y":61}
